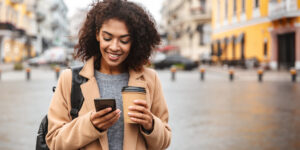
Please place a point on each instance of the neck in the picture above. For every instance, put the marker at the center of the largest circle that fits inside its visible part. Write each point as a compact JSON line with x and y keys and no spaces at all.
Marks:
{"x":104,"y":68}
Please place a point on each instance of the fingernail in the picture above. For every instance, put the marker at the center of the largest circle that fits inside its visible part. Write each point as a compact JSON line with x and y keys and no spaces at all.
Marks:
{"x":136,"y":101}
{"x":129,"y":113}
{"x":130,"y":107}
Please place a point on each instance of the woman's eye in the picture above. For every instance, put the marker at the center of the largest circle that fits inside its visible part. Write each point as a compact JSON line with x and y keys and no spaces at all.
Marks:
{"x":107,"y":39}
{"x":124,"y":42}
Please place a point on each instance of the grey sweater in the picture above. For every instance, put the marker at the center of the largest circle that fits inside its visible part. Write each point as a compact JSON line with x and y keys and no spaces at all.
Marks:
{"x":110,"y":86}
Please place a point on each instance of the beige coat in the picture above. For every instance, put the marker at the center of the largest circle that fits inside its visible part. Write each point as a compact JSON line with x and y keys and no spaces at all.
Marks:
{"x":65,"y":133}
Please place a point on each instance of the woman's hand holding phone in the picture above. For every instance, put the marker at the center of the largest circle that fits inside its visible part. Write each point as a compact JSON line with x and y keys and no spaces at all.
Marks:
{"x":106,"y":113}
{"x":104,"y":118}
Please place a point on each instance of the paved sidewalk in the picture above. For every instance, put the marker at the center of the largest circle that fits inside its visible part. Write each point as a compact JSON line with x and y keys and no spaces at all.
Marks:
{"x":212,"y":115}
{"x":6,"y":67}
{"x":246,"y":74}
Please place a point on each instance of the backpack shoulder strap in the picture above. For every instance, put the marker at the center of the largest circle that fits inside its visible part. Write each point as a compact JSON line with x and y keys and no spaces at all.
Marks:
{"x":76,"y":94}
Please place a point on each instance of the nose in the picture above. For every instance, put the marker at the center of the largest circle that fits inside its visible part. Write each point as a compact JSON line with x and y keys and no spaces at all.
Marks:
{"x":114,"y":46}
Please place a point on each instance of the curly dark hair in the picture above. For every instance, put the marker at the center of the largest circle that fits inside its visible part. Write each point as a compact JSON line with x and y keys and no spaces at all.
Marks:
{"x":140,"y":24}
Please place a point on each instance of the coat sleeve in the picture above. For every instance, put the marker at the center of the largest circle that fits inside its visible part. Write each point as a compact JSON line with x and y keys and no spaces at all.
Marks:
{"x":160,"y":137}
{"x":63,"y":132}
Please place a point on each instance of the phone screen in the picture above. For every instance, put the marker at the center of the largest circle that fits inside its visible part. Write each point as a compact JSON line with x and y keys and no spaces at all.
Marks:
{"x":105,"y":103}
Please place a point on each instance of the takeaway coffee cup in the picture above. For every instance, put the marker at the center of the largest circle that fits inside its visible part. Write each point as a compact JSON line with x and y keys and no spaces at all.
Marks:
{"x":129,"y":94}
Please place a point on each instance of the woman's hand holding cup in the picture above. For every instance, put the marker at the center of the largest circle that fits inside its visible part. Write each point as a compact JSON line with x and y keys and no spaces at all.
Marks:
{"x":140,"y":114}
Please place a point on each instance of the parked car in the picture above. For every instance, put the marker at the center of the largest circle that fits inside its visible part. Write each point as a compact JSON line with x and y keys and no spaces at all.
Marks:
{"x":179,"y":60}
{"x":252,"y":62}
{"x":56,"y":55}
{"x":157,"y":57}
{"x":36,"y":61}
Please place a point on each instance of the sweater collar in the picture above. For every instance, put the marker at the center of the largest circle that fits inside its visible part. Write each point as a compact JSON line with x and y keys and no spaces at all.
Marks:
{"x":88,"y":70}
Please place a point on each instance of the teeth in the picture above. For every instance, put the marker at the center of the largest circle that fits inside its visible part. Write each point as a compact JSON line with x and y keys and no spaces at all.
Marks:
{"x":114,"y":56}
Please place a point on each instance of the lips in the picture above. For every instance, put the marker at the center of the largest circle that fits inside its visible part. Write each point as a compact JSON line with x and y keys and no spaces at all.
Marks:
{"x":113,"y":57}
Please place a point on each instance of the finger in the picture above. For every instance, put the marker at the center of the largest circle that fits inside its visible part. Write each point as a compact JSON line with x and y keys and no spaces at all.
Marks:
{"x":107,"y":117}
{"x":139,"y":121}
{"x":112,"y":121}
{"x":139,"y":109}
{"x":107,"y":124}
{"x":141,"y":103}
{"x":102,"y":112}
{"x":140,"y":116}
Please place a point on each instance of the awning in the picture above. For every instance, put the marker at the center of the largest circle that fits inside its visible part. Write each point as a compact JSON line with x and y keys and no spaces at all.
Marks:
{"x":7,"y":26}
{"x":167,"y":48}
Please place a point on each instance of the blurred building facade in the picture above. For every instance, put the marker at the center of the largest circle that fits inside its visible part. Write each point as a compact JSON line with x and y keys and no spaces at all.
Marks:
{"x":53,"y":24}
{"x":266,"y":30}
{"x":76,"y":22}
{"x":28,"y":27}
{"x":17,"y":30}
{"x":187,"y":25}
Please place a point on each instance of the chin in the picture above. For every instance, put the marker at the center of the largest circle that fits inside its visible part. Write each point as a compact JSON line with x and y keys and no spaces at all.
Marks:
{"x":114,"y":64}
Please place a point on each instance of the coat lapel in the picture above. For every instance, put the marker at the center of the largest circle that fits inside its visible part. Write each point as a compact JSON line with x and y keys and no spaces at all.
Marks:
{"x":131,"y":131}
{"x":88,"y":94}
{"x":90,"y":91}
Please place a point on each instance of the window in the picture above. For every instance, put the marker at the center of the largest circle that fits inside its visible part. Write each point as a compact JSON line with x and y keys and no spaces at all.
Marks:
{"x":226,"y":9}
{"x":207,"y":34}
{"x":243,"y":10}
{"x":14,"y":17}
{"x":234,"y":7}
{"x":201,"y":33}
{"x":203,"y":4}
{"x":1,"y":11}
{"x":266,"y":48}
{"x":256,"y":11}
{"x":218,"y":12}
{"x":233,"y":47}
{"x":8,"y":14}
{"x":219,"y":53}
{"x":243,"y":6}
{"x":256,"y":3}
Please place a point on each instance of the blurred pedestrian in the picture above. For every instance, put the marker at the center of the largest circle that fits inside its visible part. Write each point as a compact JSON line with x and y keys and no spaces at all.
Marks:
{"x":115,"y":43}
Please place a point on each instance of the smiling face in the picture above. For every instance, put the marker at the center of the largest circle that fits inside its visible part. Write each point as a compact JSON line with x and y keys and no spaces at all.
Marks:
{"x":115,"y":45}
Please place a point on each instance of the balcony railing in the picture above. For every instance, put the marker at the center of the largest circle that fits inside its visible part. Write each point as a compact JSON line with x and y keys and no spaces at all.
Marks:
{"x":16,"y":1}
{"x":285,"y":8}
{"x":198,"y":10}
{"x":200,"y":13}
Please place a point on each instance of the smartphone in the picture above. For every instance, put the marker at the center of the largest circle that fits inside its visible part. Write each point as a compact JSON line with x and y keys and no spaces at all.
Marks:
{"x":102,"y":103}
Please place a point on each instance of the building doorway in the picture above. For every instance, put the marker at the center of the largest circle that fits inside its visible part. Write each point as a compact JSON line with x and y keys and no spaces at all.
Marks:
{"x":286,"y":50}
{"x":243,"y":50}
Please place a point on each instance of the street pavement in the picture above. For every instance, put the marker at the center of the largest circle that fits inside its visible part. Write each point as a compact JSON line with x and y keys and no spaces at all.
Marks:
{"x":241,"y":115}
{"x":214,"y":114}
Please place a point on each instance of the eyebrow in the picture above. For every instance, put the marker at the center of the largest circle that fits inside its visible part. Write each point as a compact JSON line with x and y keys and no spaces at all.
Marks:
{"x":112,"y":35}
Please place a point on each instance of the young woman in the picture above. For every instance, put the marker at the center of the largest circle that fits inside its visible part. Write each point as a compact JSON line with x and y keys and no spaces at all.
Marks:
{"x":115,"y":43}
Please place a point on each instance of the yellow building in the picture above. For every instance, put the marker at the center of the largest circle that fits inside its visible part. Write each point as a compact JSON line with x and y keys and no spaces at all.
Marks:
{"x":17,"y":30}
{"x":268,"y":30}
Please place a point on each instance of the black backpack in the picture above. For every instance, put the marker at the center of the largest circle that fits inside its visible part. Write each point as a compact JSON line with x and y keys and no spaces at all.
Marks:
{"x":76,"y":103}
